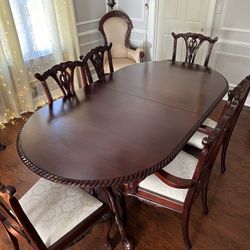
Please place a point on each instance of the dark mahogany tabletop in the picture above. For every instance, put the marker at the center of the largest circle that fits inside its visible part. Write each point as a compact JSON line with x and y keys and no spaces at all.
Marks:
{"x":123,"y":129}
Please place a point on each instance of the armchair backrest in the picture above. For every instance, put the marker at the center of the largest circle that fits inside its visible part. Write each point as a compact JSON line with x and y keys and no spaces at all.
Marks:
{"x":116,"y":27}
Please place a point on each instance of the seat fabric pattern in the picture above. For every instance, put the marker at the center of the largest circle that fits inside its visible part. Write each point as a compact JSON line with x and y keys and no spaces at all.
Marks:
{"x":210,"y":123}
{"x":182,"y":166}
{"x":54,"y":209}
{"x":196,"y":140}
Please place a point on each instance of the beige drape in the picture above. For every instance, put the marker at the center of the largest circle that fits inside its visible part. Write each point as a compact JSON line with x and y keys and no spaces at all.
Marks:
{"x":16,"y":75}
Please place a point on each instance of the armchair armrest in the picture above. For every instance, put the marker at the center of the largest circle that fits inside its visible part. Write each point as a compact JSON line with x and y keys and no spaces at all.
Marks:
{"x":136,"y":55}
{"x":174,"y":181}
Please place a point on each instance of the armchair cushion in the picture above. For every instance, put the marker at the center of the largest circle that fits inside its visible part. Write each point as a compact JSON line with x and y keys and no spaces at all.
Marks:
{"x":182,"y":166}
{"x":118,"y":63}
{"x":54,"y":209}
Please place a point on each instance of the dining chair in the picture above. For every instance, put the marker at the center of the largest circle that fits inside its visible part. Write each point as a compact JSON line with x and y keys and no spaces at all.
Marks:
{"x":94,"y":61}
{"x":193,"y":42}
{"x":49,"y":215}
{"x":115,"y":27}
{"x":63,"y":75}
{"x":177,"y":185}
{"x":240,"y":93}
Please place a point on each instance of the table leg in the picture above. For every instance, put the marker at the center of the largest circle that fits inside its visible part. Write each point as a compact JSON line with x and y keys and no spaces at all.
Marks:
{"x":126,"y":243}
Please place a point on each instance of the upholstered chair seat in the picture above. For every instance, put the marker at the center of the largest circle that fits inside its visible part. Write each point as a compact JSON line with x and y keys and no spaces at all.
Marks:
{"x":118,"y":63}
{"x":210,"y":123}
{"x":55,"y":209}
{"x":182,"y":166}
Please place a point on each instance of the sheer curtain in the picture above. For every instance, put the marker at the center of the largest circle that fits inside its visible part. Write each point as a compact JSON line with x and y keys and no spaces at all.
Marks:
{"x":34,"y":35}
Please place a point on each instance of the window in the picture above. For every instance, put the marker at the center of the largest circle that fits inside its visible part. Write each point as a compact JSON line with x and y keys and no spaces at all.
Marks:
{"x":32,"y":28}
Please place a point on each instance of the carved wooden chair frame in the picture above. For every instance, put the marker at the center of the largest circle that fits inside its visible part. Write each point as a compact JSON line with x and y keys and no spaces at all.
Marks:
{"x":97,"y":56}
{"x":18,"y":226}
{"x":239,"y":93}
{"x":193,"y":41}
{"x":199,"y":182}
{"x":63,"y":75}
{"x":124,"y":16}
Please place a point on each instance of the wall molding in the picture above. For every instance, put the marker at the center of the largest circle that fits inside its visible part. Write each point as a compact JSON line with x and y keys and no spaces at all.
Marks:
{"x":91,"y":42}
{"x":230,"y":55}
{"x":222,"y":23}
{"x":88,"y":22}
{"x":235,"y":29}
{"x":141,"y":19}
{"x":234,"y":43}
{"x":89,"y":32}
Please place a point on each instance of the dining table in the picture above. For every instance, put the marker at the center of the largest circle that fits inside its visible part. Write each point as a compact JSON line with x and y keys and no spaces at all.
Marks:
{"x":122,"y":128}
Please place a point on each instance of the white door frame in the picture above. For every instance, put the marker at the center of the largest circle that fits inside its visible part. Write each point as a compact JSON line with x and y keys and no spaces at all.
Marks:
{"x":153,"y":24}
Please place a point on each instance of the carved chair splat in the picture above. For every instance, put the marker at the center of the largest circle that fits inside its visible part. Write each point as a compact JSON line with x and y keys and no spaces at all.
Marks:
{"x":96,"y":57}
{"x":193,"y":42}
{"x":63,"y":75}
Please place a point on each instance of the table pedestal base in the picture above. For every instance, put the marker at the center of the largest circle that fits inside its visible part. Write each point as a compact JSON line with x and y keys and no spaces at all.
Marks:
{"x":128,"y":245}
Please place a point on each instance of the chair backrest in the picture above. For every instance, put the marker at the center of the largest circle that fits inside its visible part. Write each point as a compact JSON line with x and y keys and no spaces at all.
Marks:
{"x":212,"y":145}
{"x":96,"y":58}
{"x":193,"y":41}
{"x":63,"y":76}
{"x":239,"y":93}
{"x":15,"y":221}
{"x":115,"y":27}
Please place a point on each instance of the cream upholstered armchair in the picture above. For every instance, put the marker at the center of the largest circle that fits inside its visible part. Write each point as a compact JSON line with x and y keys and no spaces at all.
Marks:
{"x":116,"y":27}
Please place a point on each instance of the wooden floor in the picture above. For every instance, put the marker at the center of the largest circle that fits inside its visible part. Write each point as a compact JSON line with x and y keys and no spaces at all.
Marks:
{"x":227,"y":226}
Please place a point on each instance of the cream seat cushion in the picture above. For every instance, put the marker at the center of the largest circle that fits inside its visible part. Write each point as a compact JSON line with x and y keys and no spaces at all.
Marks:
{"x":182,"y":166}
{"x":55,"y":209}
{"x":210,"y":123}
{"x":196,"y":139}
{"x":118,"y":63}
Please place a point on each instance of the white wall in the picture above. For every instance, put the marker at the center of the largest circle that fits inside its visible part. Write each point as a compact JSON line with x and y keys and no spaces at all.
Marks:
{"x":88,"y":14}
{"x":231,"y":55}
{"x":139,"y":16}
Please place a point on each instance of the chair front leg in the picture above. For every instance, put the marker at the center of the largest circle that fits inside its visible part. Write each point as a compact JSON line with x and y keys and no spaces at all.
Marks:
{"x":223,"y":153}
{"x":204,"y":197}
{"x":185,"y":225}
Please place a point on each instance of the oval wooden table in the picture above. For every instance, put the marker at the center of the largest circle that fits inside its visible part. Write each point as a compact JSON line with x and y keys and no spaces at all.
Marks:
{"x":123,"y":129}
